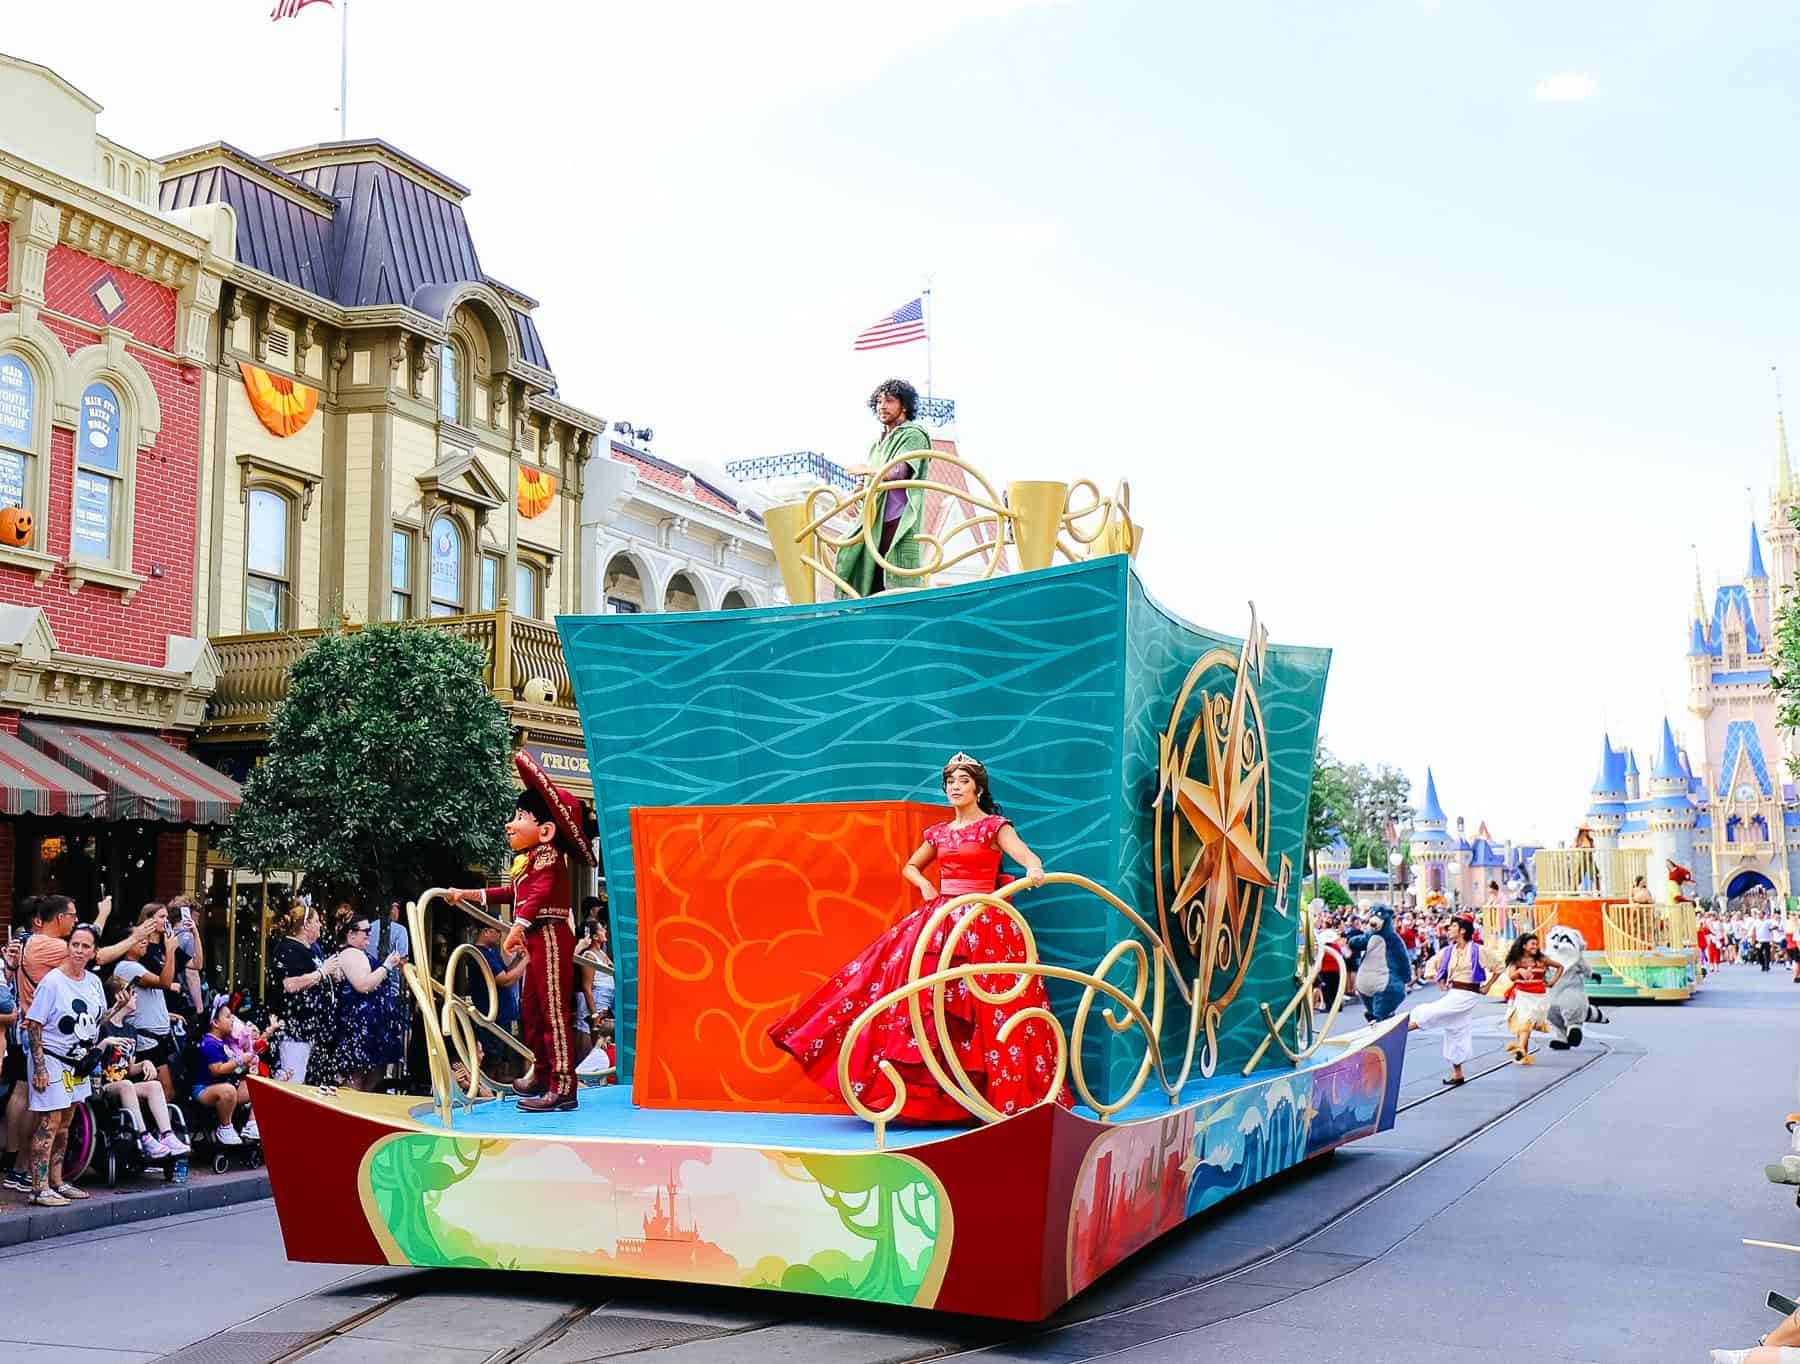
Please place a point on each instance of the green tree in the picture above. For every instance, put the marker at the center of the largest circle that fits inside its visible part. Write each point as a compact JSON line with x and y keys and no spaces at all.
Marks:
{"x":1334,"y":895}
{"x":1326,"y":806}
{"x":1359,"y":805}
{"x":388,"y":767}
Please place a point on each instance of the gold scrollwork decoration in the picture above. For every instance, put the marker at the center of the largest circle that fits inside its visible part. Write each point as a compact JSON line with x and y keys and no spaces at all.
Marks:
{"x":1038,"y":519}
{"x":1153,"y":971}
{"x":450,"y":1020}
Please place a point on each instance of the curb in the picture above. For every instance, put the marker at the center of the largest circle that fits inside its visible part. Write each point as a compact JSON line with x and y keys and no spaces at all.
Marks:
{"x":122,"y":1209}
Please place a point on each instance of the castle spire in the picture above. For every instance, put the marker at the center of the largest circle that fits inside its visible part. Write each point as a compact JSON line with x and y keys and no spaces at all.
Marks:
{"x":1756,"y":560}
{"x":1668,"y":761}
{"x":1433,"y":812}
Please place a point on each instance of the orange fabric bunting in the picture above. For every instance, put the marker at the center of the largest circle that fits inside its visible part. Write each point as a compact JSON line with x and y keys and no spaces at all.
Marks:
{"x":536,"y":490}
{"x":280,"y":404}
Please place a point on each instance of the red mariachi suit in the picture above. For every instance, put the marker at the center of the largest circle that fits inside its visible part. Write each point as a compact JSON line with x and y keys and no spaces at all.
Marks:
{"x":539,"y":884}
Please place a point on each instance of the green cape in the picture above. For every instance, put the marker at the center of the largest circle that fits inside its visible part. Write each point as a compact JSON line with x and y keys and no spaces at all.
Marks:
{"x":855,"y":565}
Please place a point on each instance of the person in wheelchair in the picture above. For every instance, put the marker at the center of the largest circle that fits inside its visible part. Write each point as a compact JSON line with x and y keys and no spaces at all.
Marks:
{"x":131,"y":1083}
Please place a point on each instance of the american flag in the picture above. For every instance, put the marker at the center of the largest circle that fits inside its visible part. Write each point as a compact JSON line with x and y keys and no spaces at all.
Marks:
{"x":287,"y":9}
{"x":905,"y":323}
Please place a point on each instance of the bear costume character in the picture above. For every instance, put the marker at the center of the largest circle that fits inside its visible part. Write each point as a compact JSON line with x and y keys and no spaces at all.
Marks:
{"x":1569,"y":1007}
{"x":1389,"y":986}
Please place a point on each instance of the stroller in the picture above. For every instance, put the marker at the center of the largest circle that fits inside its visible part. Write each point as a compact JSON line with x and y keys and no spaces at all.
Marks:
{"x":200,"y":1122}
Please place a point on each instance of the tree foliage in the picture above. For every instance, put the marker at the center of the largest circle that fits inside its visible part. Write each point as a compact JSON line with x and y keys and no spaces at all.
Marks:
{"x":389,"y":767}
{"x":1333,"y":894}
{"x":1358,"y":804}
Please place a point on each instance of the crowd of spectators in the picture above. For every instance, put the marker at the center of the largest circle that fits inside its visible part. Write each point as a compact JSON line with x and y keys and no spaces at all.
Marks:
{"x":128,"y":1025}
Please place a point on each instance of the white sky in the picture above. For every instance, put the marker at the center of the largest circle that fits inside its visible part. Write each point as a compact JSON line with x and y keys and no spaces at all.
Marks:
{"x":1441,"y":330}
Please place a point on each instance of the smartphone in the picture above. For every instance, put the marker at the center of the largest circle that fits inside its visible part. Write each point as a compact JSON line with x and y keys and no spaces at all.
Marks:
{"x":1782,"y":1304}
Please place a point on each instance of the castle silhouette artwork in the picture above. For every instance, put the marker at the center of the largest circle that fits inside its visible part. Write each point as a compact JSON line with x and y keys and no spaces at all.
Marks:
{"x":667,"y":1247}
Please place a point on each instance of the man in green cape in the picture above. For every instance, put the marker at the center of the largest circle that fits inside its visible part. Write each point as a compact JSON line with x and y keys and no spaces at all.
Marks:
{"x":902,"y":517}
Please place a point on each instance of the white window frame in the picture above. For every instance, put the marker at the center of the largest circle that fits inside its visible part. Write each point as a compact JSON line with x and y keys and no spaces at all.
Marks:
{"x":285,"y":598}
{"x":36,"y":457}
{"x":116,"y":562}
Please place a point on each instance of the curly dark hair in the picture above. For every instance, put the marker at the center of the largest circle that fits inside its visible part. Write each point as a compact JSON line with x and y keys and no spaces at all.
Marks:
{"x":897,"y":388}
{"x":1517,"y":952}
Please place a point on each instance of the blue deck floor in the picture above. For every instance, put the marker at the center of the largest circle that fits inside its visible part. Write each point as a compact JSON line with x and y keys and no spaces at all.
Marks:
{"x":606,"y":1112}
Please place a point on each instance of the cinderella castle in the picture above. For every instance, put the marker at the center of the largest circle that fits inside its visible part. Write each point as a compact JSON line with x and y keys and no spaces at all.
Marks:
{"x":1720,"y":806}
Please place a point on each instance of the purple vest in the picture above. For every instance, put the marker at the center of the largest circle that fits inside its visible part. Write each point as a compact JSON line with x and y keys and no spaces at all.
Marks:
{"x":1477,"y":973}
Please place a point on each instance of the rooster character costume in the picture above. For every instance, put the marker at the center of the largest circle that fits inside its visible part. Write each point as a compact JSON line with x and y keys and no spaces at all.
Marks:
{"x":546,"y":824}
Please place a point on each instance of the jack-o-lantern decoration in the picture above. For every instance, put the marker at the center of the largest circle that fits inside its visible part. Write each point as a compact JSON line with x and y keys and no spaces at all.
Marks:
{"x":15,"y":526}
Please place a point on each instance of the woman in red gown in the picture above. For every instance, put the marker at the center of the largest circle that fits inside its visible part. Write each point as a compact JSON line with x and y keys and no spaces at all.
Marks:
{"x":1012,"y":1075}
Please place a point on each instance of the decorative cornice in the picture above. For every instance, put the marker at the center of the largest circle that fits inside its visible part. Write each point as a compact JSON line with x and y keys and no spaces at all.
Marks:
{"x":37,"y":677}
{"x":366,"y":150}
{"x":279,"y":181}
{"x":555,"y":408}
{"x":123,"y":214}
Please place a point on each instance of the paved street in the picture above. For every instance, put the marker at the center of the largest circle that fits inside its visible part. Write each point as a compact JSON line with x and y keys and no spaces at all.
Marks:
{"x":1590,"y":1209}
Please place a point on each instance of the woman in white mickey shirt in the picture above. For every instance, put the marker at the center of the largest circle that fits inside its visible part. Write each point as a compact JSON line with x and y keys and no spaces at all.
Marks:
{"x":61,"y":1026}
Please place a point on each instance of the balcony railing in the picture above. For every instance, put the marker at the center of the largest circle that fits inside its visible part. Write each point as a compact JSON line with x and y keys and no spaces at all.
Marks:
{"x":254,"y":668}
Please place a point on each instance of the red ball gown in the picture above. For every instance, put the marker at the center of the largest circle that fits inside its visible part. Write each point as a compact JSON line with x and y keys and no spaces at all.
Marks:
{"x":1012,"y":1075}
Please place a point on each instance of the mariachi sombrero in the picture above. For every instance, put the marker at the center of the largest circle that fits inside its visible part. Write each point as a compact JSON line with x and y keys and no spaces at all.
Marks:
{"x":563,"y":807}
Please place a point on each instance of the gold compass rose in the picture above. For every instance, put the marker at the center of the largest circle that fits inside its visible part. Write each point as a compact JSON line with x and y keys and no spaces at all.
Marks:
{"x":1215,"y":775}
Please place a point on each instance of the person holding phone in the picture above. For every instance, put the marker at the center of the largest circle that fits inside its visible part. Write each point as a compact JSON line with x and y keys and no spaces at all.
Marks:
{"x":190,"y":954}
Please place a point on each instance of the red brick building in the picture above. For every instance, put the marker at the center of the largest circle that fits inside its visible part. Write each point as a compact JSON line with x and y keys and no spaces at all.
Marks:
{"x":105,"y":307}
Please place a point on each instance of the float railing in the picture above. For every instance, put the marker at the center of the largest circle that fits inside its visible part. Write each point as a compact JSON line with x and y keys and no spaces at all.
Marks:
{"x":1139,"y":1006}
{"x":450,"y":1019}
{"x":1038,"y":519}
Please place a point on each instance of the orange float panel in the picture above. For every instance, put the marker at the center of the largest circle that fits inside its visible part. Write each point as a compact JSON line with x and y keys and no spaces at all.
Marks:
{"x":744,"y":911}
{"x":1583,"y":916}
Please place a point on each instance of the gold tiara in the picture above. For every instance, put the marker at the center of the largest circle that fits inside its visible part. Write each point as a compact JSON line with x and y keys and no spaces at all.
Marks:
{"x":957,"y":758}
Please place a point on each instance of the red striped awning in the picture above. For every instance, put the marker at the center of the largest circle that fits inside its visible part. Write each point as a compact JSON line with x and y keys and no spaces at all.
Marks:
{"x":32,"y":783}
{"x":143,"y":777}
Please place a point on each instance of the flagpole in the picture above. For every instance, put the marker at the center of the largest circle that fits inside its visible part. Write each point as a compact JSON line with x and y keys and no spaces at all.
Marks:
{"x":344,"y":71}
{"x":927,"y":311}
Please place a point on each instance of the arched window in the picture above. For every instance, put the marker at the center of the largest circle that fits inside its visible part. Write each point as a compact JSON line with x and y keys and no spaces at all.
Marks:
{"x":19,"y":429}
{"x":488,"y":589}
{"x":447,"y":593}
{"x":680,"y":595}
{"x":734,"y":601}
{"x":449,"y":382}
{"x":268,"y":561}
{"x":621,"y":587}
{"x":102,"y":501}
{"x":527,"y":591}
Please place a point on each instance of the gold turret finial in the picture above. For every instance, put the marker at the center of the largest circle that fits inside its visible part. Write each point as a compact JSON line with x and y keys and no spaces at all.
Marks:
{"x":1699,"y":595}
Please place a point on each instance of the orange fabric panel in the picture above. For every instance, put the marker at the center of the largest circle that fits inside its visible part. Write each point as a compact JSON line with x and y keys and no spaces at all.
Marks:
{"x":743,"y":911}
{"x":1584,"y":917}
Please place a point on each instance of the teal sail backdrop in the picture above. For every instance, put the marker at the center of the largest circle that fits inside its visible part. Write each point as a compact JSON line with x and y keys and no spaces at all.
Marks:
{"x":1059,"y":680}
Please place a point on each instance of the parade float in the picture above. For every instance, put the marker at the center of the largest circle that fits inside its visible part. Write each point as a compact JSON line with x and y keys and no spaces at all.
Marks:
{"x":1637,"y":950}
{"x":760,"y":777}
